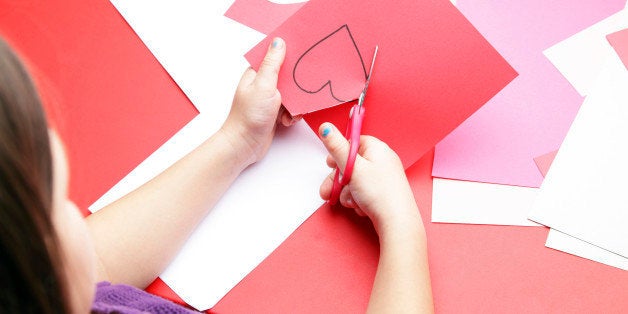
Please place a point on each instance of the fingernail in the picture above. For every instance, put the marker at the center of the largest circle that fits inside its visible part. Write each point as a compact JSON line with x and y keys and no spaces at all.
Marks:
{"x":326,"y":131}
{"x":295,"y":119}
{"x":276,"y":43}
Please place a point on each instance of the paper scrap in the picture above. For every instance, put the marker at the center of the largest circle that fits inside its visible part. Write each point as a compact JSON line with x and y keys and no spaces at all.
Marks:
{"x":261,"y":15}
{"x":427,"y":50}
{"x":455,"y":201}
{"x":532,"y":114}
{"x":584,"y":193}
{"x":619,"y":41}
{"x":544,"y":161}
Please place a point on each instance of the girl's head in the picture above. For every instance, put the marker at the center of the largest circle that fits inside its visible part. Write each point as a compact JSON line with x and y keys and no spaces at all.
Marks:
{"x":46,"y":263}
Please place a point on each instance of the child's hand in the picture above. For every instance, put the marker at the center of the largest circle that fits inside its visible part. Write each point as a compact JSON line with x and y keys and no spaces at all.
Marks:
{"x":256,"y":107}
{"x":378,"y":187}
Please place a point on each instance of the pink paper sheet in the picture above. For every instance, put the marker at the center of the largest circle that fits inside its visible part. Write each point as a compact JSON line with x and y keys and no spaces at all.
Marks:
{"x":544,"y":162}
{"x":619,"y":41}
{"x":261,"y":15}
{"x":433,"y":69}
{"x":530,"y":116}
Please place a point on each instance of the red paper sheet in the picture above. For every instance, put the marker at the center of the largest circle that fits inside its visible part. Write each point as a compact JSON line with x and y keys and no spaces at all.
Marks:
{"x":109,"y":122}
{"x":328,"y":266}
{"x":433,"y":69}
{"x":619,"y":41}
{"x":261,"y":15}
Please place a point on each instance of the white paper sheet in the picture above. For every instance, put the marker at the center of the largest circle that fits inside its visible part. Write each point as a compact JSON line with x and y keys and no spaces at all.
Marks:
{"x":584,"y":193}
{"x":455,"y":201}
{"x":580,"y":57}
{"x":263,"y":207}
{"x":202,"y":50}
{"x":566,"y":243}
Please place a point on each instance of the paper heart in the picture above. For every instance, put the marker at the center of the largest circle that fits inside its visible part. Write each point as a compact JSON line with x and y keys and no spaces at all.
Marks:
{"x":332,"y":65}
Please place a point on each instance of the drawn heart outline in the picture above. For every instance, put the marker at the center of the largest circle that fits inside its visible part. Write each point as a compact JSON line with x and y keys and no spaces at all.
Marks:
{"x":344,"y":29}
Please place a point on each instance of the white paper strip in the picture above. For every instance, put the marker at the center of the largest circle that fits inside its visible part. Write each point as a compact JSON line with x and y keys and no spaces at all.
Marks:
{"x":568,"y":244}
{"x":456,"y":201}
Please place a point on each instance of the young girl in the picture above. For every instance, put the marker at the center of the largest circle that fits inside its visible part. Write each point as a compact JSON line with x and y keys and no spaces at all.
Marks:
{"x":51,"y":258}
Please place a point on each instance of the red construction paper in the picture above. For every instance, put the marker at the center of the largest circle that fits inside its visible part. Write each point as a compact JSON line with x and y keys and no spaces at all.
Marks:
{"x":544,"y":162}
{"x":108,"y":96}
{"x":619,"y":41}
{"x":328,"y":264}
{"x":261,"y":15}
{"x":433,"y":69}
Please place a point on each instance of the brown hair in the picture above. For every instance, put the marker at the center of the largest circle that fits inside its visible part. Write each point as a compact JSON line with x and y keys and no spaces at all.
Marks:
{"x":30,"y":280}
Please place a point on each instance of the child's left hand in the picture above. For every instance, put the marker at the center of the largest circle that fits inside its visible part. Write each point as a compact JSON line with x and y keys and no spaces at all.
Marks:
{"x":256,"y":108}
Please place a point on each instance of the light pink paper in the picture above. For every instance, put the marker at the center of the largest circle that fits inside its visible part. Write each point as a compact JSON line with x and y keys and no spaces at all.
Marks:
{"x":530,"y":116}
{"x":261,"y":15}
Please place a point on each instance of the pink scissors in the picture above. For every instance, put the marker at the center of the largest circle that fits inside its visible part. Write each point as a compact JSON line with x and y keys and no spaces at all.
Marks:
{"x":356,"y":116}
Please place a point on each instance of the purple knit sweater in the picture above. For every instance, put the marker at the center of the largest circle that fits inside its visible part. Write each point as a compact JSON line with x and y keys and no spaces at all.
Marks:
{"x":123,"y":299}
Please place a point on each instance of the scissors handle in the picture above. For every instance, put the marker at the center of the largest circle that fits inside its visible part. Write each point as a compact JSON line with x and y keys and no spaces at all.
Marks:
{"x":353,"y":134}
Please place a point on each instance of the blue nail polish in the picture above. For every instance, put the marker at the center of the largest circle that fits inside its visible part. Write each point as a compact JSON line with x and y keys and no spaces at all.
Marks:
{"x":275,"y":43}
{"x":326,"y":131}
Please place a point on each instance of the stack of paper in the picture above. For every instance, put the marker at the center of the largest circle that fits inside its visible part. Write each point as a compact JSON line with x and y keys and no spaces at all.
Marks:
{"x":584,"y":193}
{"x":489,"y":170}
{"x":501,"y":143}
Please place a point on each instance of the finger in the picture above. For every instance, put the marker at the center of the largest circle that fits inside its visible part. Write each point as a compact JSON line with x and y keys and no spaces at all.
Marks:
{"x":366,"y":142}
{"x":297,"y":118}
{"x":292,"y":120}
{"x":280,"y":119}
{"x":360,"y":212}
{"x":325,"y":189}
{"x":331,"y":163}
{"x":268,"y":71}
{"x":286,"y":117}
{"x":345,"y":198}
{"x":247,"y":77}
{"x":335,"y":143}
{"x":370,"y":144}
{"x":289,"y":120}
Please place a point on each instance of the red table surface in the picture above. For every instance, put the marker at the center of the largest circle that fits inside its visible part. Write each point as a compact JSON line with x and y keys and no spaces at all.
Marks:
{"x":114,"y":105}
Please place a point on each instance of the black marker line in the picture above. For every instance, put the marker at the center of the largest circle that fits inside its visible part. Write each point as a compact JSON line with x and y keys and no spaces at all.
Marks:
{"x":294,"y":78}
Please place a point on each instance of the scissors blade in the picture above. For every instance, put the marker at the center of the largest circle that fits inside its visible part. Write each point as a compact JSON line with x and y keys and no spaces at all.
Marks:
{"x":368,"y":79}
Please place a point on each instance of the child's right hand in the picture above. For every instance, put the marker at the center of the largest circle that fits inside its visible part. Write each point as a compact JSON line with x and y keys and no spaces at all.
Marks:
{"x":378,"y":187}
